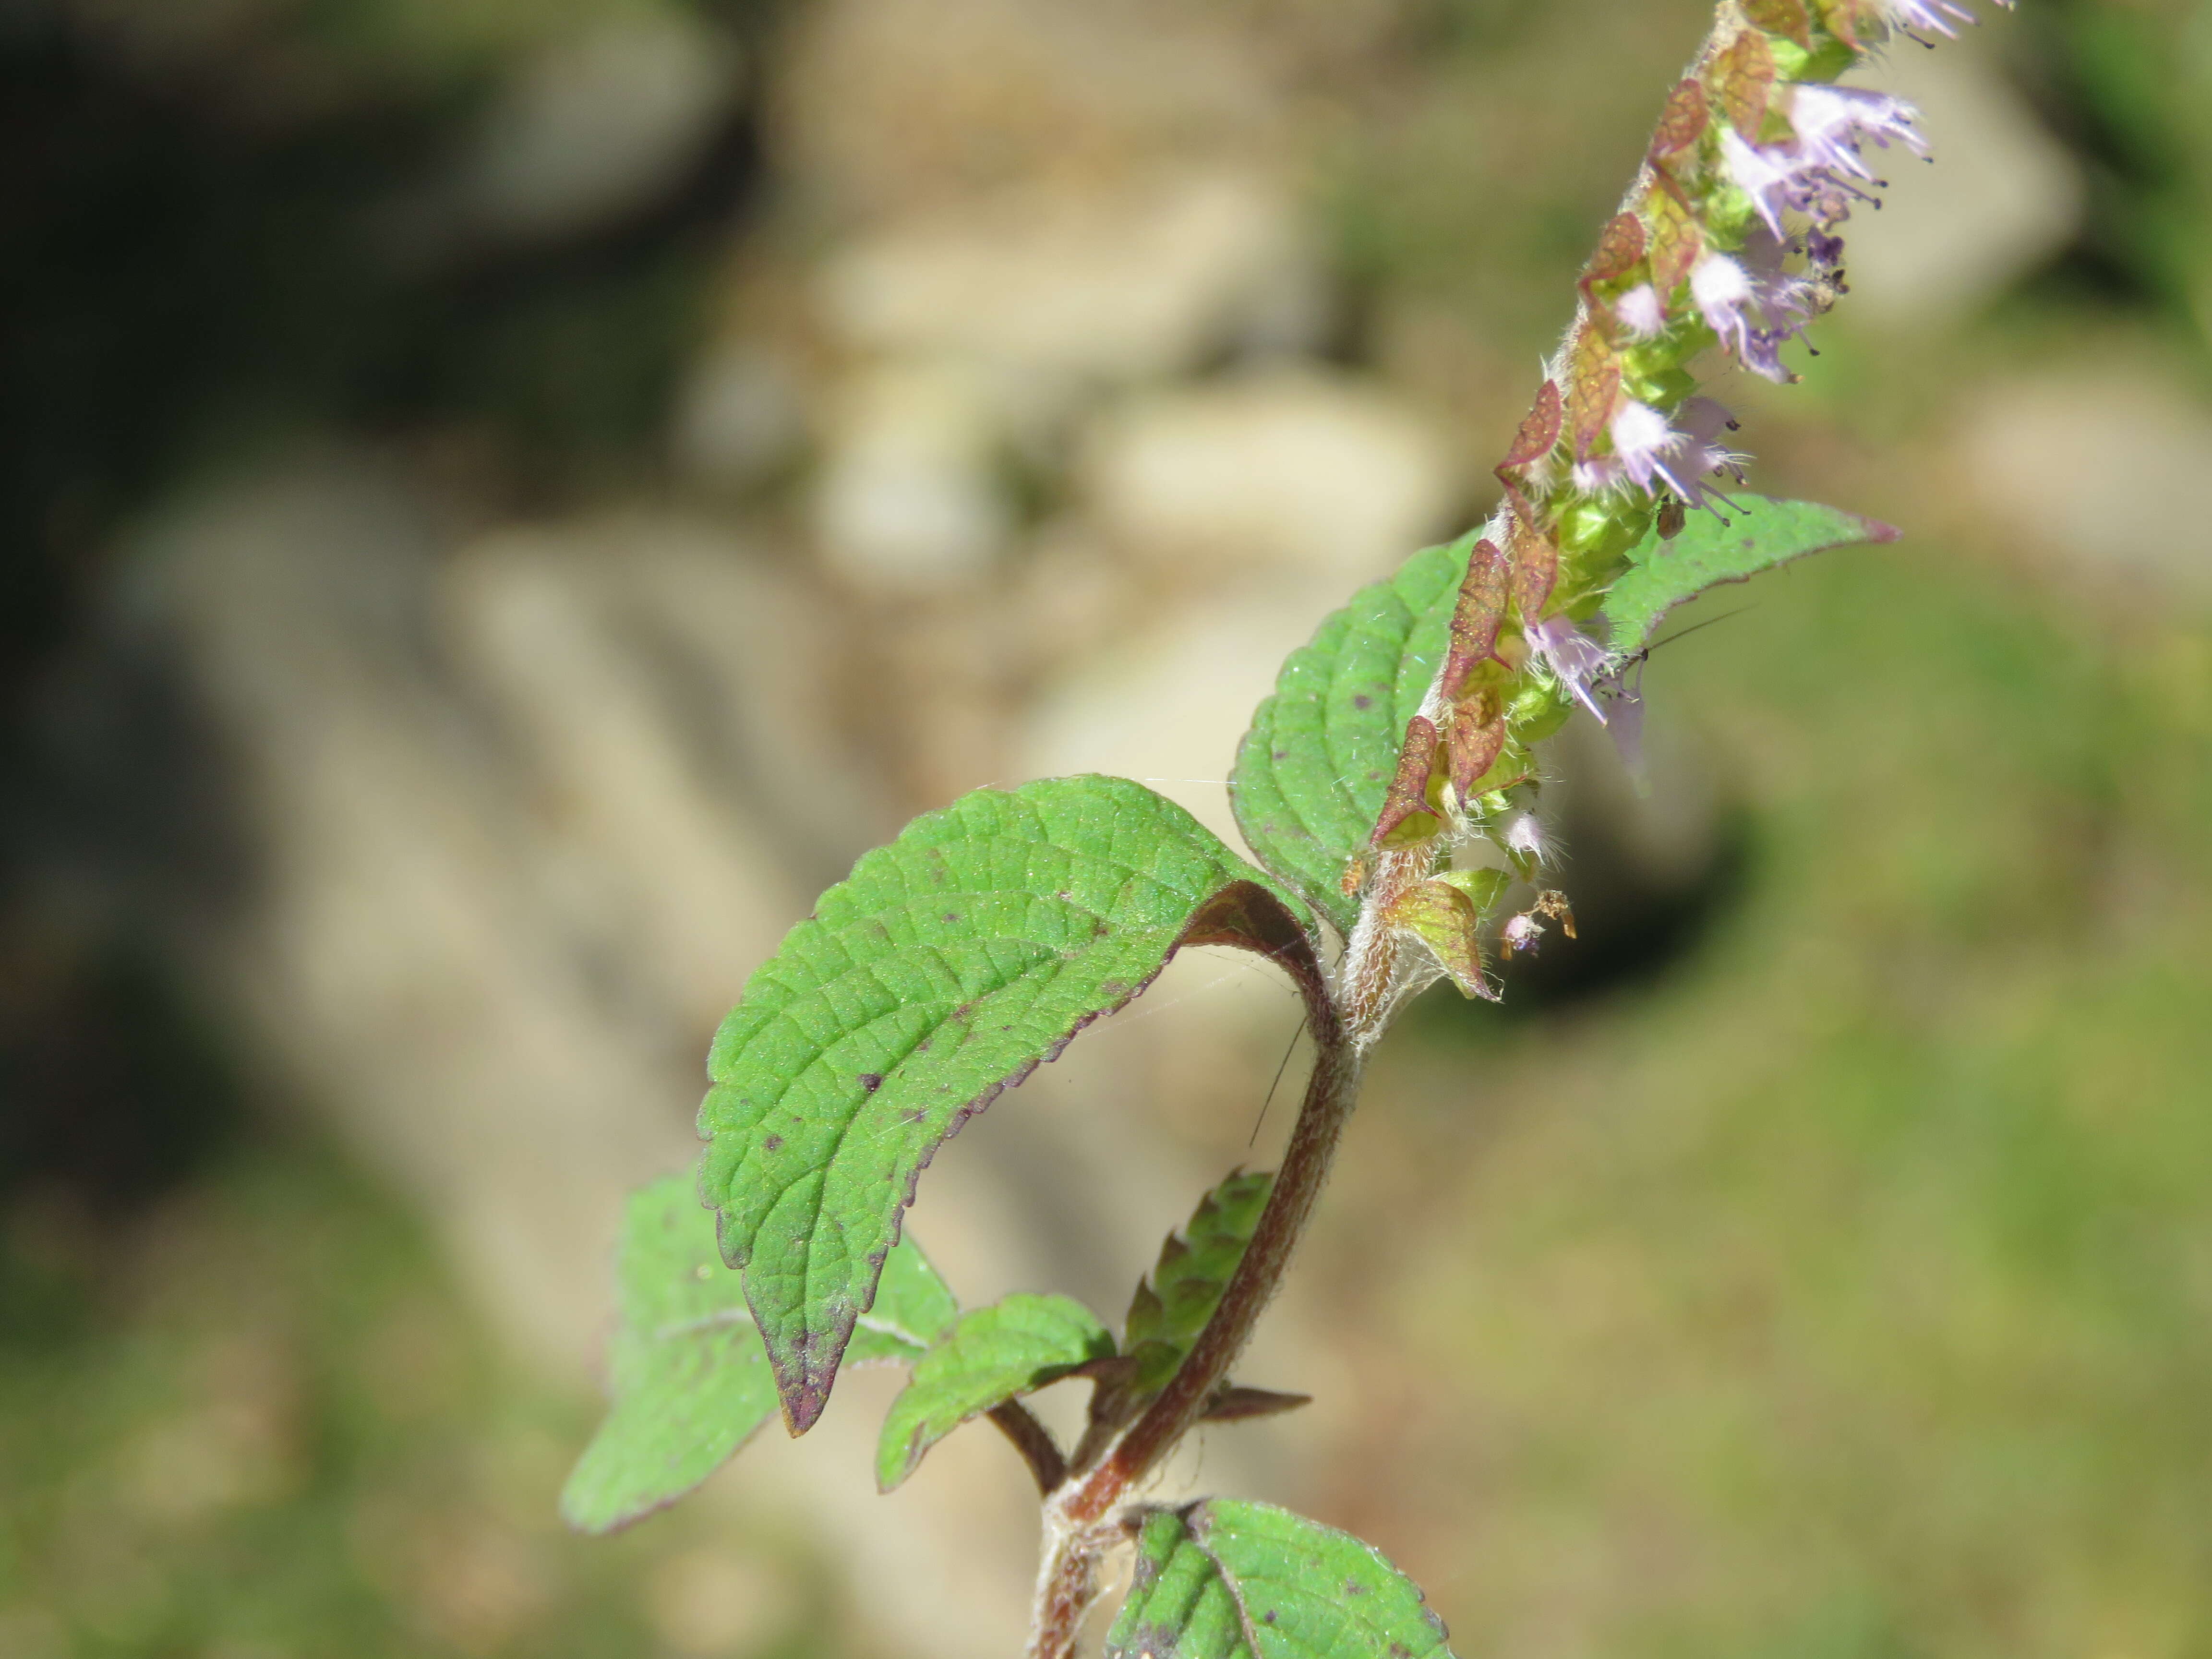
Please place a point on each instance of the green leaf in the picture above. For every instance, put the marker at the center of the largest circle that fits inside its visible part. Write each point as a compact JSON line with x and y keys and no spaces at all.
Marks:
{"x":1180,"y":1605}
{"x":993,"y":1354}
{"x":1312,"y":774}
{"x":1662,"y":574}
{"x":1172,"y":1307}
{"x":912,"y":1308}
{"x":943,"y":970}
{"x":690,"y":1378}
{"x":1225,"y":1580}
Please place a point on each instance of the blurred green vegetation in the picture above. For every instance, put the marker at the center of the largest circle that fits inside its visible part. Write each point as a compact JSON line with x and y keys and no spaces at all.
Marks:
{"x":255,"y":1420}
{"x":1849,"y":1293}
{"x":2129,"y":87}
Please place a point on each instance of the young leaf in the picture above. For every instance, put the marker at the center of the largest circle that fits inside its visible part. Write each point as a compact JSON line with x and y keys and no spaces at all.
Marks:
{"x":992,"y":1355}
{"x":1708,"y":552}
{"x":1312,"y":774}
{"x":1169,"y":1311}
{"x":943,"y":970}
{"x":1173,"y":1306}
{"x":690,"y":1378}
{"x":1237,"y":1404}
{"x":1226,"y":1580}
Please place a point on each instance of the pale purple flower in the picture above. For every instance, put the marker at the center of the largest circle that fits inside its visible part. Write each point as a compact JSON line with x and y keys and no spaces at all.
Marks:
{"x":1936,"y":16}
{"x":1773,"y":178}
{"x":1589,"y":672}
{"x":1821,"y":170}
{"x":1831,"y":123}
{"x":1753,"y":305}
{"x":1649,"y":451}
{"x":1573,"y":657}
{"x":1520,"y":933}
{"x":1641,"y":311}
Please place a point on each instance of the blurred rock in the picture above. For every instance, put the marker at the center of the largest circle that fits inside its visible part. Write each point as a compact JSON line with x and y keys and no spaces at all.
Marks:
{"x":2002,"y":196}
{"x":500,"y":900}
{"x":894,"y":108}
{"x":643,"y":736}
{"x":738,"y":418}
{"x":1116,"y":285}
{"x":907,"y":498}
{"x":1285,"y":470}
{"x":759,"y":667}
{"x":1168,"y":706}
{"x":2101,"y":467}
{"x":599,"y":125}
{"x":1072,"y":597}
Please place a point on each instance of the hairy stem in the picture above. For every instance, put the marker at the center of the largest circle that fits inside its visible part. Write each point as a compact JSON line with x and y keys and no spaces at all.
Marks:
{"x":1077,"y":1523}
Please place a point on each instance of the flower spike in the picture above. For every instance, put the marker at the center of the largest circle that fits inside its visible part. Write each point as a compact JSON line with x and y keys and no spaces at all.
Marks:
{"x":1729,"y":237}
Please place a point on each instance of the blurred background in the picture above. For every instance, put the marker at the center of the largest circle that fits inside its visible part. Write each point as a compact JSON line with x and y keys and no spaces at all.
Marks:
{"x":503,"y":500}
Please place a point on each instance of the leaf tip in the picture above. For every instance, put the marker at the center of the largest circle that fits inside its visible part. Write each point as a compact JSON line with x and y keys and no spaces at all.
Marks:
{"x":804,"y":1374}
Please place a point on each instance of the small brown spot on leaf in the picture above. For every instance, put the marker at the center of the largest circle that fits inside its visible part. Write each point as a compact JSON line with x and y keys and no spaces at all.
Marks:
{"x":1363,"y":701}
{"x":872,"y":1081}
{"x":773,"y":1143}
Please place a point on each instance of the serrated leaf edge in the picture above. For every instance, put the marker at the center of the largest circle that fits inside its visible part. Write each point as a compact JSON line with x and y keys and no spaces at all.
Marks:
{"x":803,"y":1387}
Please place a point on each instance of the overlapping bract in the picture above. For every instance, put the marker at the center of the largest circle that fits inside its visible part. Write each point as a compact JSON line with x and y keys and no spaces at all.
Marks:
{"x":1312,"y":774}
{"x":1315,"y":775}
{"x":1729,"y":237}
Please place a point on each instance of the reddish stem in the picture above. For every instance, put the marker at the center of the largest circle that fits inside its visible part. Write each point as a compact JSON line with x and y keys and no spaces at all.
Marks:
{"x":1077,"y":1528}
